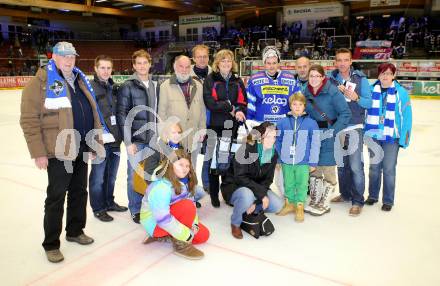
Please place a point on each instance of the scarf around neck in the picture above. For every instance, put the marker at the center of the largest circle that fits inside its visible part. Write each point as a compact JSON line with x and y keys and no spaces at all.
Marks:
{"x":381,"y":119}
{"x":319,"y":89}
{"x":56,"y":95}
{"x":174,"y":146}
{"x":265,"y":156}
{"x":201,"y":73}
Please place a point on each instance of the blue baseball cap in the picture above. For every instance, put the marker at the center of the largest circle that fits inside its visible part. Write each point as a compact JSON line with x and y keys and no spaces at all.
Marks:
{"x":64,"y":49}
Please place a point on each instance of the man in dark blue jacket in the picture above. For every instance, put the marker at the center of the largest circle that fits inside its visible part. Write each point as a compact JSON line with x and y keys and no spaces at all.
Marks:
{"x":356,"y":89}
{"x":104,"y":170}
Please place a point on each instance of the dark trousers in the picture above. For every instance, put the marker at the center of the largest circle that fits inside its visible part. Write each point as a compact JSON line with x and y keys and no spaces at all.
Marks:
{"x":214,"y":179}
{"x":60,"y":182}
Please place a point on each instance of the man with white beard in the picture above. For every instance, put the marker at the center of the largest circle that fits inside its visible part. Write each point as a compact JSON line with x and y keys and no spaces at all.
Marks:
{"x":182,"y":96}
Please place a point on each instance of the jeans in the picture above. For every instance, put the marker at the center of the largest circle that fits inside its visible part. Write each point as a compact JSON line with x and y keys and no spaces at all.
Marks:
{"x":60,"y":182}
{"x":205,"y":174}
{"x":102,"y":180}
{"x":351,"y":176}
{"x":243,"y":198}
{"x":134,"y":198}
{"x":387,"y":166}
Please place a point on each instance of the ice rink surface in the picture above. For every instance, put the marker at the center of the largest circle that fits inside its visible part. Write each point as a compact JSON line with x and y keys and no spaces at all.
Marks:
{"x":399,"y":248}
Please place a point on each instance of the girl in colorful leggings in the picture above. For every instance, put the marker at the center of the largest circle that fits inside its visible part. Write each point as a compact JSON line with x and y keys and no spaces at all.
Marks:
{"x":168,"y":212}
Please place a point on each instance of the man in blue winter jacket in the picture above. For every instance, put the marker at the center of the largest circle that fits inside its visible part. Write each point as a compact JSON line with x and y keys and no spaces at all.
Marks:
{"x":356,"y":89}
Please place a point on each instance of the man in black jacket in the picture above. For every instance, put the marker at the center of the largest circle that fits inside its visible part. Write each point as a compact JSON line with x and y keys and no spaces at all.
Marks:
{"x":137,"y":126}
{"x":104,"y":170}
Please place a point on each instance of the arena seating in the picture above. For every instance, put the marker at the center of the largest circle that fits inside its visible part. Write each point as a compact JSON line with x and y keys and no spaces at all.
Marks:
{"x":120,"y":51}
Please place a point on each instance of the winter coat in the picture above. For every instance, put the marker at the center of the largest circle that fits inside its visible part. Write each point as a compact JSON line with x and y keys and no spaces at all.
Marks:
{"x":106,"y":96}
{"x":250,"y":174}
{"x":41,"y":126}
{"x":307,"y":143}
{"x":220,"y":97}
{"x":172,"y":103}
{"x":362,"y":89}
{"x":331,"y":102}
{"x":133,"y":93}
{"x":403,"y":115}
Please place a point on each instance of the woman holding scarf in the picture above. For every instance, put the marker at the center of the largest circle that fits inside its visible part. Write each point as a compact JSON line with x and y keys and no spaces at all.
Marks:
{"x":388,"y":123}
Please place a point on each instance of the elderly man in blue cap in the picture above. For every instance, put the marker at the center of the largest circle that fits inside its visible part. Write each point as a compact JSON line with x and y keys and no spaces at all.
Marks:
{"x":69,"y":108}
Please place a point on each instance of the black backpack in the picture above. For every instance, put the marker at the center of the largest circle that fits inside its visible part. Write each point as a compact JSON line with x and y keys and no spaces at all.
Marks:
{"x":257,"y":224}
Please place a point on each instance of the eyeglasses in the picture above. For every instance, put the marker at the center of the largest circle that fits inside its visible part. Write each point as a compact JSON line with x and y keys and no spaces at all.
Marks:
{"x":387,"y":73}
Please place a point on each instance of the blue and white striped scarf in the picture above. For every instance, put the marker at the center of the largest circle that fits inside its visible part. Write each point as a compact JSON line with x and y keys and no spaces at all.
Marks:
{"x":56,"y":95}
{"x":383,"y":131}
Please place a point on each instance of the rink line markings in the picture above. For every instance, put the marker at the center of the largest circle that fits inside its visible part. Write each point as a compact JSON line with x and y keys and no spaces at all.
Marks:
{"x":158,"y":261}
{"x":317,"y":276}
{"x":18,"y":165}
{"x":65,"y":264}
{"x":22,"y":184}
{"x":99,"y":269}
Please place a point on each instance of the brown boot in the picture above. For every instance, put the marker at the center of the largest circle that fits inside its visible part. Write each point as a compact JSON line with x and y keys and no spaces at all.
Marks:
{"x":299,"y":213}
{"x":355,"y":210}
{"x":236,"y":232}
{"x":186,"y":249}
{"x":150,"y":239}
{"x":287,"y":208}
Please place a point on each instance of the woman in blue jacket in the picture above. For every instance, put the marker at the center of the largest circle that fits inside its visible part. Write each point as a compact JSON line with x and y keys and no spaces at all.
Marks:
{"x":388,"y":123}
{"x":328,"y":107}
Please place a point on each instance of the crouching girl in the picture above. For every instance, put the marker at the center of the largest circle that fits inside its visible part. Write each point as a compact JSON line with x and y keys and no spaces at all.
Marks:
{"x":168,"y":213}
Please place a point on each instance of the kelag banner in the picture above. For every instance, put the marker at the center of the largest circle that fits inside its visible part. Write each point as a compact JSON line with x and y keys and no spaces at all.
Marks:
{"x":429,"y":89}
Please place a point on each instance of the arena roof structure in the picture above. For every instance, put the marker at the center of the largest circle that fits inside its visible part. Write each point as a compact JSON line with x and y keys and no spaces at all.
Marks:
{"x":164,"y":9}
{"x":159,"y":9}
